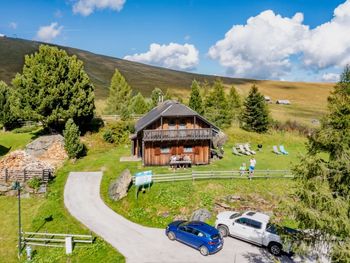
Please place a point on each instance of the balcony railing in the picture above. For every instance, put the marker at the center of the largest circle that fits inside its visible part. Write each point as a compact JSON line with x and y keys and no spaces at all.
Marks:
{"x":180,"y":134}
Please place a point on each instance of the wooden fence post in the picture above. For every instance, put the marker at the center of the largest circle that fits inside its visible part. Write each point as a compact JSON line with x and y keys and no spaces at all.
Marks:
{"x":6,"y":175}
{"x":268,"y":173}
{"x":43,"y":175}
{"x":24,"y":175}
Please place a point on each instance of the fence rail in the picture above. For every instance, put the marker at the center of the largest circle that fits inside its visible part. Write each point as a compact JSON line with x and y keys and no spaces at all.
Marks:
{"x":9,"y":175}
{"x":53,"y":240}
{"x":235,"y":174}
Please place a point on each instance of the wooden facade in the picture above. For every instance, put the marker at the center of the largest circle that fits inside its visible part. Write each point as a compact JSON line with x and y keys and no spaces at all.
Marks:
{"x":172,"y":129}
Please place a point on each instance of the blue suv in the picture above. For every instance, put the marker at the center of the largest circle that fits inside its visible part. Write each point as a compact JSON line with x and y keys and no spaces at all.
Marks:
{"x":196,"y":234}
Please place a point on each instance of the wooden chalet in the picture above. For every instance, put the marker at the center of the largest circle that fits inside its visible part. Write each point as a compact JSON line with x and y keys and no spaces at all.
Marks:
{"x":173,"y":130}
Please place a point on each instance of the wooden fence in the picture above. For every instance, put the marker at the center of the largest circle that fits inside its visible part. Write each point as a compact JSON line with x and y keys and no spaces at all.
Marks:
{"x":235,"y":174}
{"x":8,"y":175}
{"x":53,"y":240}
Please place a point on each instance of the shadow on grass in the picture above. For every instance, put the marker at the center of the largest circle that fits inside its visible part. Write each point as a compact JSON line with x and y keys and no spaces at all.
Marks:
{"x":4,"y":150}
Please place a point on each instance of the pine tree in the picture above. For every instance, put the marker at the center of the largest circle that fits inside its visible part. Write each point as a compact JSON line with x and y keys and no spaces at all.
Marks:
{"x":138,"y":104}
{"x":52,"y":88}
{"x":234,"y":102}
{"x":322,"y":194}
{"x":216,"y":106}
{"x":156,"y":94}
{"x":255,"y":115}
{"x":119,"y":94}
{"x":72,"y":142}
{"x":196,"y":102}
{"x":6,"y":116}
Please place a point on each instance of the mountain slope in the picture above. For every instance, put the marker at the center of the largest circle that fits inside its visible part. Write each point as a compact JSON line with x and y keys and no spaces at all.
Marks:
{"x":308,"y":99}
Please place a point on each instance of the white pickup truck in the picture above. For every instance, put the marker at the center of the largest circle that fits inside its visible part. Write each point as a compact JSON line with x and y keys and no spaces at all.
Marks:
{"x":253,"y":227}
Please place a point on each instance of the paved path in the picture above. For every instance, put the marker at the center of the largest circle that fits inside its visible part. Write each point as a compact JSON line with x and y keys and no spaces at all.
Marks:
{"x":138,"y":243}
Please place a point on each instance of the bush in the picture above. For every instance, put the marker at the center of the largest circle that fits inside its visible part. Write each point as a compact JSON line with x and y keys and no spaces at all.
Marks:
{"x":292,"y":126}
{"x":72,"y":144}
{"x":26,"y":129}
{"x":34,"y":183}
{"x":118,"y":132}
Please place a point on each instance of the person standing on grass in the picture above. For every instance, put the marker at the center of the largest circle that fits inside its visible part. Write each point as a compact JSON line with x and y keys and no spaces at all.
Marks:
{"x":252,"y":164}
{"x":242,"y":169}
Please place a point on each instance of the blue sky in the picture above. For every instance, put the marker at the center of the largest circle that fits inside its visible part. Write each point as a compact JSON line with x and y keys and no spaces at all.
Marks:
{"x":300,"y":40}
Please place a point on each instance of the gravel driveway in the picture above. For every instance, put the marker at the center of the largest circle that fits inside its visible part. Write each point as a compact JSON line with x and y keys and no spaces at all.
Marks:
{"x":138,"y":243}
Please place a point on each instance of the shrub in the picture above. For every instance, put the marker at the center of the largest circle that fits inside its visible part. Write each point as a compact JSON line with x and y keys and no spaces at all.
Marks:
{"x":34,"y":183}
{"x":26,"y":129}
{"x":72,"y":144}
{"x":118,"y":132}
{"x":292,"y":126}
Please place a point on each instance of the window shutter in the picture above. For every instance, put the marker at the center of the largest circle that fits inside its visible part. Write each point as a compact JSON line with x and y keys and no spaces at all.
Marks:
{"x":157,"y":151}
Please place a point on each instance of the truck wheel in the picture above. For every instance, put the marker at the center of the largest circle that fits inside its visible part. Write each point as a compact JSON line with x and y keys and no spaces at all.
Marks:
{"x":223,"y":230}
{"x":171,"y":235}
{"x":275,"y":248}
{"x":204,"y":250}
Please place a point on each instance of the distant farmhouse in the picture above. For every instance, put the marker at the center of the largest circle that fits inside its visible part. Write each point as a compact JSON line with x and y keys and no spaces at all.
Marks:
{"x":285,"y":102}
{"x":172,"y":132}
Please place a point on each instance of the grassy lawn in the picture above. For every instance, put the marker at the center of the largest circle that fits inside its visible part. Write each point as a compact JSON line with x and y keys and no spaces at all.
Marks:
{"x":36,"y":209}
{"x":167,"y":200}
{"x":12,"y":141}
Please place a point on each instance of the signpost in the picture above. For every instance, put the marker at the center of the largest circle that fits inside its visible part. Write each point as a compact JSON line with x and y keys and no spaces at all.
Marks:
{"x":143,"y":179}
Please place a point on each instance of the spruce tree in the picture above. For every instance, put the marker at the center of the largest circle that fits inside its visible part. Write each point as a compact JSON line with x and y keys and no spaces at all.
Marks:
{"x":255,"y":114}
{"x":52,"y":88}
{"x":138,"y":104}
{"x":72,"y":142}
{"x":119,"y":94}
{"x":322,"y":193}
{"x":234,"y":102}
{"x":196,"y":102}
{"x":6,"y":115}
{"x":216,"y":106}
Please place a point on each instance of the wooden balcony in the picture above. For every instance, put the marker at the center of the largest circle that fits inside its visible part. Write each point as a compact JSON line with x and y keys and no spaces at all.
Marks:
{"x":179,"y":134}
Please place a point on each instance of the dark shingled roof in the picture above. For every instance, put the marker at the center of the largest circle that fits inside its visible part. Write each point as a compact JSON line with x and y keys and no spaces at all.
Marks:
{"x":166,"y":109}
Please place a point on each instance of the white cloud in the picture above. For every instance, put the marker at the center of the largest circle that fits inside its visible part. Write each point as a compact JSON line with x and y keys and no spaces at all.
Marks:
{"x":48,"y":33}
{"x":330,"y":77}
{"x":2,"y":35}
{"x":13,"y":25}
{"x":58,"y":13}
{"x":264,"y":47}
{"x":329,"y":44}
{"x":87,"y":7}
{"x":175,"y":56}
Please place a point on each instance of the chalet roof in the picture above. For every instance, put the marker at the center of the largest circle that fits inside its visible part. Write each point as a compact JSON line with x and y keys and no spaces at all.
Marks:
{"x":168,"y":108}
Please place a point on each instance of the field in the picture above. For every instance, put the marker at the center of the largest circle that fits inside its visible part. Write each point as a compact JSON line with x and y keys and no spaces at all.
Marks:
{"x":12,"y":141}
{"x":308,"y":99}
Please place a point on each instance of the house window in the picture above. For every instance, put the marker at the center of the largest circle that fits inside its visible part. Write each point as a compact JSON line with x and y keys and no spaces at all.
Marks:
{"x":165,"y":150}
{"x":188,"y":149}
{"x":182,"y":125}
{"x":172,"y":125}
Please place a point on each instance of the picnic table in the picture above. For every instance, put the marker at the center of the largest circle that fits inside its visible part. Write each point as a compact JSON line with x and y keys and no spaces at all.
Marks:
{"x":180,"y":163}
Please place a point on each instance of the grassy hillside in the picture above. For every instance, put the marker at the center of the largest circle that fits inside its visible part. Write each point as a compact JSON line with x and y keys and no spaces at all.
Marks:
{"x":308,"y":99}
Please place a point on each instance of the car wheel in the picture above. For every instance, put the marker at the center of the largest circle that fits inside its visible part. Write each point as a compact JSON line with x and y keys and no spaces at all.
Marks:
{"x":171,"y":235}
{"x":204,"y":250}
{"x":223,"y":230}
{"x":275,"y":248}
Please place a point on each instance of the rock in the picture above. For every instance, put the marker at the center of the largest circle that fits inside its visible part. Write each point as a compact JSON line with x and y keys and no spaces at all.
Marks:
{"x":25,"y":195}
{"x":42,"y":189}
{"x":119,"y":187}
{"x":233,"y":198}
{"x":3,"y":188}
{"x":201,"y":215}
{"x":179,"y":217}
{"x":220,"y":139}
{"x":11,"y":193}
{"x":165,"y":214}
